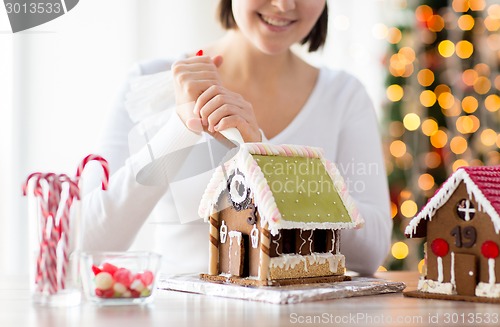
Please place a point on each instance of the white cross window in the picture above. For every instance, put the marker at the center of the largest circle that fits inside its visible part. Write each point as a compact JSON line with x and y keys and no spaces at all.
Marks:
{"x":465,"y":209}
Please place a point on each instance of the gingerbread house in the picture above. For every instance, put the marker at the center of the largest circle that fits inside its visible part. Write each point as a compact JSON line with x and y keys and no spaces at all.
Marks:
{"x":462,"y":224}
{"x":275,"y":215}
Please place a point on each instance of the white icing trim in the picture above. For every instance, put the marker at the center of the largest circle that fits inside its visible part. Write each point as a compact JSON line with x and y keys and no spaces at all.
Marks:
{"x":431,"y":286}
{"x":289,"y":261}
{"x":285,"y":224}
{"x":277,"y":244}
{"x":440,"y":269}
{"x":444,"y":194}
{"x":303,"y":241}
{"x":223,"y":232}
{"x":333,"y":242}
{"x":488,"y":290}
{"x":491,"y":271}
{"x":235,"y":196}
{"x":452,"y":270}
{"x":254,"y":236}
{"x":234,"y":234}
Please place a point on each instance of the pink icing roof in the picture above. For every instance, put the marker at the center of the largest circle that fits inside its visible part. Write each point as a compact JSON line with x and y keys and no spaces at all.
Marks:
{"x":481,"y":181}
{"x":487,"y":179}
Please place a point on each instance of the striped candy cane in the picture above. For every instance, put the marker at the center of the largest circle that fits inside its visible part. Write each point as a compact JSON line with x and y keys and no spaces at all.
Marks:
{"x":48,"y":188}
{"x":104,"y":164}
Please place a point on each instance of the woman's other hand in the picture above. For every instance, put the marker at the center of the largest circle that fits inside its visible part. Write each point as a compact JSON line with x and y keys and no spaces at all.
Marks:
{"x":220,"y":109}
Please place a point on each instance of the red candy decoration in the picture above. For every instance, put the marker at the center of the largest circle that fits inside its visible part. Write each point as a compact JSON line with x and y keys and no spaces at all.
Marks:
{"x":147,"y":278}
{"x":199,"y":53}
{"x":440,"y":247}
{"x":123,"y":276}
{"x":104,"y":294}
{"x":96,"y":269}
{"x":489,"y":249}
{"x":109,"y":268}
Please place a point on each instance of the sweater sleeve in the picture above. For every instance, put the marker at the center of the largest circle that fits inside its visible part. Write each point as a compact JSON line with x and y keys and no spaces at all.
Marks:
{"x":359,"y":158}
{"x":112,"y":218}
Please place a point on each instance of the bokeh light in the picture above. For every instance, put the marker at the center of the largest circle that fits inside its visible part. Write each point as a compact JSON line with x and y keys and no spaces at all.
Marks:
{"x":435,"y":23}
{"x":399,"y":250}
{"x":409,"y":208}
{"x":488,"y":137}
{"x":394,"y":209}
{"x":423,"y":13}
{"x":429,"y":127}
{"x":446,"y":48}
{"x":395,"y":92}
{"x":458,"y":145}
{"x":469,"y":104}
{"x":482,"y":85}
{"x":397,"y":148}
{"x":469,"y":77}
{"x":425,"y":77}
{"x":459,"y":163}
{"x":466,"y":22}
{"x":464,"y":49}
{"x":394,"y":35}
{"x":432,"y":160}
{"x":426,"y":182}
{"x":460,"y":5}
{"x":439,"y":139}
{"x":446,"y":100}
{"x":492,"y":102}
{"x":467,"y":124}
{"x":411,"y":121}
{"x":477,"y":5}
{"x":427,"y":98}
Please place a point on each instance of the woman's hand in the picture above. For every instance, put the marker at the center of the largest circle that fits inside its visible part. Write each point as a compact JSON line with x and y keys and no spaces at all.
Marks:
{"x":192,"y":77}
{"x":220,"y":109}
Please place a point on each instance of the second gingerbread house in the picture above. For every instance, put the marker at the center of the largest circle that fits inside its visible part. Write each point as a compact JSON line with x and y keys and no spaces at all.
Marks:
{"x":462,"y":225}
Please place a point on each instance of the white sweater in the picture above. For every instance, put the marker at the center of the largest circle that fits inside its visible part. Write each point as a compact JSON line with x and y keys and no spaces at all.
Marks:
{"x":338,"y":117}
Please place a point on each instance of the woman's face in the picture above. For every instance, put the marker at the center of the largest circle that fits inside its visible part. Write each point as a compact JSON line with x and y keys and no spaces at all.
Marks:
{"x":273,"y":26}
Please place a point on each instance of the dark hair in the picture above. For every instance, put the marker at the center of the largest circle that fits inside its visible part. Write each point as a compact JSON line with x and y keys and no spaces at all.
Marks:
{"x":316,"y":37}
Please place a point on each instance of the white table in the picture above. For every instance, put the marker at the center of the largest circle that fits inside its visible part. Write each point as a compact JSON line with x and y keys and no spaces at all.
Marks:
{"x":184,"y":309}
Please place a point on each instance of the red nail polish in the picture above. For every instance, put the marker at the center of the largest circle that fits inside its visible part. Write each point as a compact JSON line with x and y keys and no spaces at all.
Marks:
{"x":199,"y":53}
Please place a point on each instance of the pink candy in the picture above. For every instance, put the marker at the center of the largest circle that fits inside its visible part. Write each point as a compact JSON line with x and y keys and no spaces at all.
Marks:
{"x":116,"y":282}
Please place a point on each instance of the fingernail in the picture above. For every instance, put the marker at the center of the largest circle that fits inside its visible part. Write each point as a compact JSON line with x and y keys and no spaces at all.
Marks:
{"x":199,"y":53}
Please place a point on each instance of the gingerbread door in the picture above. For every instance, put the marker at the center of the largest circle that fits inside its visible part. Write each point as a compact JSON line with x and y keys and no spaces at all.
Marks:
{"x":236,"y":253}
{"x":465,"y":274}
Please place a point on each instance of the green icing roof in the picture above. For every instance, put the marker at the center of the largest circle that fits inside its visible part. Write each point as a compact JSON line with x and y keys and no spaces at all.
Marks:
{"x":303,"y":190}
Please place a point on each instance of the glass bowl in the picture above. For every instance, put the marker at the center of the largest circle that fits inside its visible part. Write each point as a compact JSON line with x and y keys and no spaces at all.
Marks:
{"x":119,"y":278}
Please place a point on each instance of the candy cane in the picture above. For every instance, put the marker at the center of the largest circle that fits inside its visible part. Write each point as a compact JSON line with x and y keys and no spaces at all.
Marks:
{"x":103,"y":163}
{"x":48,"y":188}
{"x":64,"y":228}
{"x":48,"y":203}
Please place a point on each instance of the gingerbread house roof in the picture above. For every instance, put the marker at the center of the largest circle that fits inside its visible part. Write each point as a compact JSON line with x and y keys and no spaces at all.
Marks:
{"x":292,"y":187}
{"x":483,"y":182}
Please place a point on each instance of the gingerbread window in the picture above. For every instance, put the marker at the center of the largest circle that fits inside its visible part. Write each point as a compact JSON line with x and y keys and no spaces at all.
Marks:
{"x":465,"y":209}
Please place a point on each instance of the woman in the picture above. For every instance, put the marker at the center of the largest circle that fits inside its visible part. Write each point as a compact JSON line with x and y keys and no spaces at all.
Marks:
{"x":249,"y":80}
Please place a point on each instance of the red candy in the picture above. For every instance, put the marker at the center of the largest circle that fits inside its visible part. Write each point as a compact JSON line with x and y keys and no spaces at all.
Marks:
{"x":96,"y":269}
{"x":109,"y":268}
{"x":123,"y":276}
{"x":490,"y":249}
{"x":122,"y":282}
{"x":104,"y":294}
{"x":440,"y":247}
{"x":147,"y":278}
